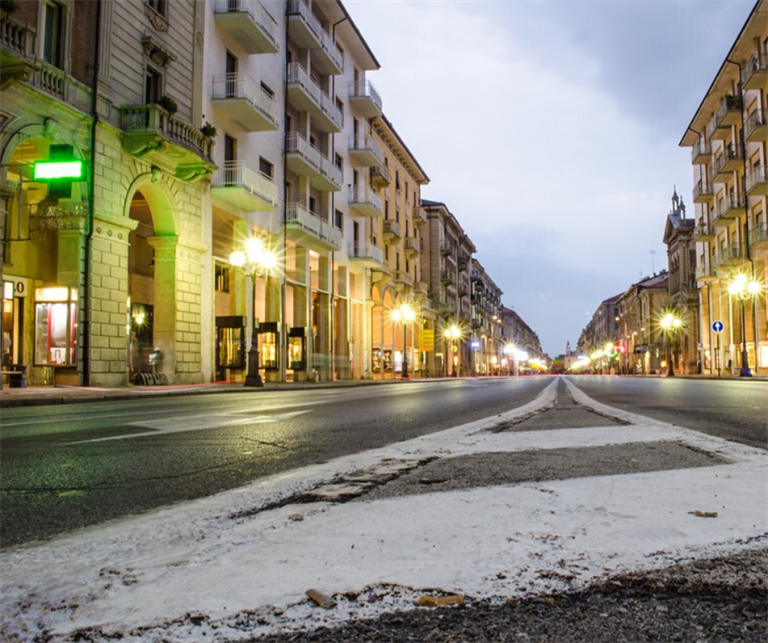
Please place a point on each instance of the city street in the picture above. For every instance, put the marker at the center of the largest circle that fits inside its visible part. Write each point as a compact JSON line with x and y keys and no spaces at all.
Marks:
{"x":538,"y":489}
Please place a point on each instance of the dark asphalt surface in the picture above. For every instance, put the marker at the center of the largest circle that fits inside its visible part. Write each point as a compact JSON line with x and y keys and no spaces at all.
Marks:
{"x":61,"y":470}
{"x":731,"y":409}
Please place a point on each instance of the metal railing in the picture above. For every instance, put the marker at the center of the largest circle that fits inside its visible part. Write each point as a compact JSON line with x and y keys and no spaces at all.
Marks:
{"x":701,"y":148}
{"x":298,"y":8}
{"x":702,"y":188}
{"x":256,"y":12}
{"x":758,"y":234}
{"x":728,"y":153}
{"x":241,"y":174}
{"x":243,"y":86}
{"x":364,"y":143}
{"x":756,"y":119}
{"x":361,"y":194}
{"x":756,"y":177}
{"x":756,"y":63}
{"x":365,"y":89}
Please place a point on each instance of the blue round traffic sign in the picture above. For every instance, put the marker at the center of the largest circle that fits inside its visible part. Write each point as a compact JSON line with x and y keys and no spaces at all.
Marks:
{"x":717,"y":326}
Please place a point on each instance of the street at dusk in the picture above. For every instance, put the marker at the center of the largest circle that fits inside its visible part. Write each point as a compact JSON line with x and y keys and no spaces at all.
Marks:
{"x":355,"y":321}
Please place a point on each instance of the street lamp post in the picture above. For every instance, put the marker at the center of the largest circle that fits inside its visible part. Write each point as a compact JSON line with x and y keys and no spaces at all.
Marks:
{"x":670,"y":324}
{"x":406,"y":314}
{"x":452,"y":333}
{"x":254,"y":262}
{"x":744,"y":288}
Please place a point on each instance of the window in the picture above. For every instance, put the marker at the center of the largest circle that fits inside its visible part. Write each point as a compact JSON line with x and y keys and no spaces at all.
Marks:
{"x":339,"y":219}
{"x":267,"y":90}
{"x":313,"y":205}
{"x":265,"y":167}
{"x":53,"y":34}
{"x":55,"y":327}
{"x":152,"y":86}
{"x":222,"y":278}
{"x":161,"y":6}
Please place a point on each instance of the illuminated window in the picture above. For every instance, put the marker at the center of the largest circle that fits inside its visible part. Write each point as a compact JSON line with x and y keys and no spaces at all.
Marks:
{"x":55,"y":327}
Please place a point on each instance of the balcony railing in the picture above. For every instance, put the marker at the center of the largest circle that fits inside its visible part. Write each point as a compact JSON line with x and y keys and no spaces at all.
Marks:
{"x":705,"y":273}
{"x":364,"y":98}
{"x":365,"y":151}
{"x":249,"y":23}
{"x":732,"y":254}
{"x":365,"y":202}
{"x":311,"y":162}
{"x":419,"y":216}
{"x":447,"y":276}
{"x":391,"y":230}
{"x":756,"y":126}
{"x":729,"y":208}
{"x":246,"y":102}
{"x":727,"y":162}
{"x":701,"y":153}
{"x":309,"y":225}
{"x":328,"y":57}
{"x":412,"y":247}
{"x":365,"y":253}
{"x":308,"y":96}
{"x":380,"y":176}
{"x":757,"y":181}
{"x":16,"y":39}
{"x":242,"y":185}
{"x":755,"y":71}
{"x":152,"y":133}
{"x":703,"y":192}
{"x":447,"y":248}
{"x":727,"y":114}
{"x":758,"y":236}
{"x":703,"y":231}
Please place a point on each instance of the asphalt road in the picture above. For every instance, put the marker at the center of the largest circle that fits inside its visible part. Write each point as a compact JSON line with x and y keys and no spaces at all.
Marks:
{"x":66,"y":467}
{"x":732,"y":409}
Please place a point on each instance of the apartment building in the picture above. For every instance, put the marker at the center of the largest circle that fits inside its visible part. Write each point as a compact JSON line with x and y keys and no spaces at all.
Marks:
{"x":635,"y":316}
{"x":519,"y":334}
{"x":683,"y":293}
{"x":103,"y":272}
{"x":486,"y":338}
{"x":728,"y":135}
{"x":446,"y":267}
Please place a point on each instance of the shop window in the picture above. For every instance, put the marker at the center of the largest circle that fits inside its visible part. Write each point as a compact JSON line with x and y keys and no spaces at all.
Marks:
{"x":222,"y":278}
{"x":55,"y":327}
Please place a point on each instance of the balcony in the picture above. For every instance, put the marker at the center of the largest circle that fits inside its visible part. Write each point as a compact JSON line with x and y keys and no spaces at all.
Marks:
{"x":241,"y":99}
{"x":703,"y":232}
{"x":245,"y":187}
{"x":308,"y":96}
{"x":380,"y":177}
{"x":307,"y":227}
{"x":447,"y":248}
{"x":703,"y":192}
{"x":755,"y":72}
{"x":364,"y":99}
{"x":391,"y":230}
{"x":412,"y":247}
{"x":446,"y":277}
{"x":701,"y":153}
{"x":727,"y":115}
{"x":728,"y":209}
{"x":364,"y":151}
{"x":758,"y":237}
{"x":249,"y":24}
{"x":152,"y":134}
{"x":705,"y":273}
{"x":419,"y":216}
{"x":367,"y":256}
{"x":17,"y":46}
{"x":726,"y":163}
{"x":757,"y":182}
{"x":729,"y":258}
{"x":403,"y":280}
{"x":421,"y":288}
{"x":365,"y":202}
{"x":305,"y":159}
{"x":756,"y":126}
{"x":307,"y":32}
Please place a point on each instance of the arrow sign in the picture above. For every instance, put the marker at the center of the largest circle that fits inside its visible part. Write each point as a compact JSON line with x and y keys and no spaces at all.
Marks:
{"x":717,"y":326}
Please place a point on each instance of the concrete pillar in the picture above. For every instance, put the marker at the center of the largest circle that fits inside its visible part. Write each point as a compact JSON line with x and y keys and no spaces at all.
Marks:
{"x":165,"y":305}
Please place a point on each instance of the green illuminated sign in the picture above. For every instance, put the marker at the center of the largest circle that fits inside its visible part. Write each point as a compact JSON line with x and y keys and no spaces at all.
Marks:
{"x":52,"y":170}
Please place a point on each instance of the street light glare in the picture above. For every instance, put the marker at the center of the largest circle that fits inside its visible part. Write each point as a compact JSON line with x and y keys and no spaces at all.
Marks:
{"x":254,"y":247}
{"x":237,"y":258}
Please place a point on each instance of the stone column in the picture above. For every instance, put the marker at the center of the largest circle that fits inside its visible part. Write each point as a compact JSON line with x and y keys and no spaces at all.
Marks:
{"x":165,"y":304}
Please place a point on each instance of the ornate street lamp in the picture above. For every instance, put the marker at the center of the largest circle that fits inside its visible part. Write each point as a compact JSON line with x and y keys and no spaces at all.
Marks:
{"x":743,"y":288}
{"x":670,"y":325}
{"x":254,"y":262}
{"x":405,"y":314}
{"x":452,"y":333}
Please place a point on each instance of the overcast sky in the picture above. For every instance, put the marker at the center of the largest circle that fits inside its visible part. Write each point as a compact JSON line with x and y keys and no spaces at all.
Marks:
{"x":551,"y":130}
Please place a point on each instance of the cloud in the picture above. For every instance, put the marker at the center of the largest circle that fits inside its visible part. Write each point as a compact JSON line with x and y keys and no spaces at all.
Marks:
{"x":544,"y":128}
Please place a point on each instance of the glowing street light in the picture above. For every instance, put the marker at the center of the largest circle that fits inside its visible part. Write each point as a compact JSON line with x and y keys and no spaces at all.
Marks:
{"x":405,"y":314}
{"x":254,"y":262}
{"x":670,"y":325}
{"x":743,"y":288}
{"x":452,"y":333}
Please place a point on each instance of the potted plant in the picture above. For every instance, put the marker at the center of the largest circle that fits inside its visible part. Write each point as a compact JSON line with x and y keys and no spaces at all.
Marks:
{"x":168,"y":104}
{"x":208,"y":130}
{"x":732,"y":102}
